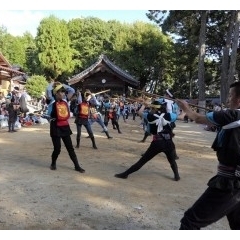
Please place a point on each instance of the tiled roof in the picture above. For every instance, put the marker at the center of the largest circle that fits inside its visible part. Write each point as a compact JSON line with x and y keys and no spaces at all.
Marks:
{"x":3,"y":61}
{"x":8,"y":69}
{"x":128,"y":78}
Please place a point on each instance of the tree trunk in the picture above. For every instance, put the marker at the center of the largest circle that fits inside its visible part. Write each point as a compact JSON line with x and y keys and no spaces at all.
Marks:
{"x":225,"y":60}
{"x":201,"y":68}
{"x":232,"y":68}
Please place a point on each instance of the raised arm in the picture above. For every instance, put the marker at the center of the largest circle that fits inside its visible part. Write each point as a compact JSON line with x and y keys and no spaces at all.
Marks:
{"x":198,"y":118}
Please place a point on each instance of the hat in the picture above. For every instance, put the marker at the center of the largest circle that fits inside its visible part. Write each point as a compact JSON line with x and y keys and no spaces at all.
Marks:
{"x":157,"y":104}
{"x":87,"y":93}
{"x":56,"y":87}
{"x":169,"y":93}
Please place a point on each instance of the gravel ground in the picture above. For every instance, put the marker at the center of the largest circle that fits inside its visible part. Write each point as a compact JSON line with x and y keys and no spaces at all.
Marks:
{"x":33,"y":197}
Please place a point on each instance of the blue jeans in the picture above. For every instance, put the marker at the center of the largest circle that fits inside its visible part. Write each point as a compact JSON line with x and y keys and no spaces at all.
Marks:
{"x":99,"y":121}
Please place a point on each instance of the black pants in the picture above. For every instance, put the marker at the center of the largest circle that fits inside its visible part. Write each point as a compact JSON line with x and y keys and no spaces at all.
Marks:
{"x":213,"y":205}
{"x":134,"y":115}
{"x":11,"y":126}
{"x":156,"y":147}
{"x":88,"y":128}
{"x":114,"y":123}
{"x":57,"y":149}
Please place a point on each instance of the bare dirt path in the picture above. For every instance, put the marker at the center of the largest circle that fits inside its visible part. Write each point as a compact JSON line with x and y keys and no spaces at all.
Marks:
{"x":34,"y":197}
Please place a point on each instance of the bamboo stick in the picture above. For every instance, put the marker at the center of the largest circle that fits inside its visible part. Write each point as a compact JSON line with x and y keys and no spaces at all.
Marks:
{"x":173,"y":99}
{"x":102,"y":91}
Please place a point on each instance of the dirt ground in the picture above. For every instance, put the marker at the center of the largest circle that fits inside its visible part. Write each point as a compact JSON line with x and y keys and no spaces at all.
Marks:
{"x":34,"y":197}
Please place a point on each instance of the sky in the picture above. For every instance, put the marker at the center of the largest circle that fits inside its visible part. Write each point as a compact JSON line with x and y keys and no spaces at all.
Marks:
{"x":17,"y":22}
{"x":21,"y":16}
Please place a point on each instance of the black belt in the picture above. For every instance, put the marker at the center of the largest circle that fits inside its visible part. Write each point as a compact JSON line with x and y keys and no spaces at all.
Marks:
{"x":157,"y":137}
{"x":162,"y":136}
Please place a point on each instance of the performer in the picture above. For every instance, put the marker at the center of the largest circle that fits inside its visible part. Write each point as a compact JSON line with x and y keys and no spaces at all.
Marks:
{"x":50,"y":99}
{"x":145,"y":127}
{"x":122,"y":109}
{"x":77,"y":97}
{"x":59,"y":126}
{"x":222,"y":196}
{"x":105,"y":109}
{"x":82,"y":117}
{"x":110,"y":112}
{"x":159,"y":123}
{"x":95,"y":115}
{"x":113,"y":115}
{"x":133,"y":109}
{"x":171,"y":107}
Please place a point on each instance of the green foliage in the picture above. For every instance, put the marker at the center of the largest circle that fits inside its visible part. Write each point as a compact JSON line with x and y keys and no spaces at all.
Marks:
{"x":16,"y":52}
{"x":4,"y":39}
{"x":145,"y":53}
{"x":36,"y":85}
{"x":158,"y":56}
{"x":184,"y":27}
{"x":140,"y":49}
{"x":53,"y":44}
{"x":88,"y":38}
{"x":27,"y":41}
{"x":11,"y":47}
{"x":14,"y":48}
{"x":32,"y":61}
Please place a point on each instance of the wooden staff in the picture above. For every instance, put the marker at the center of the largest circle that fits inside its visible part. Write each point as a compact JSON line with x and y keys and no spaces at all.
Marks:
{"x":139,"y":99}
{"x":134,"y":99}
{"x":173,"y":99}
{"x":102,"y":91}
{"x":149,"y":94}
{"x":113,"y":98}
{"x":190,"y":104}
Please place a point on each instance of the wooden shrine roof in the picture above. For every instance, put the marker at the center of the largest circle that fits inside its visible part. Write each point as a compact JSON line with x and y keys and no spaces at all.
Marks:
{"x":103,"y":60}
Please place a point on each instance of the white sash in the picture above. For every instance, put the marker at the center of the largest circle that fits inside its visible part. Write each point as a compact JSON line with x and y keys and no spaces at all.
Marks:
{"x":232,"y":125}
{"x":160,"y":122}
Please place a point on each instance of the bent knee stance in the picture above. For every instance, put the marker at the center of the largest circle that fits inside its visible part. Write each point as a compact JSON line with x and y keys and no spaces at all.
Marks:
{"x":188,"y":222}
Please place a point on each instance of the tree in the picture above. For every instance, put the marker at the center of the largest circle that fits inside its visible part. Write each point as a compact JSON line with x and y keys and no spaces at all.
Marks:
{"x":16,"y":52}
{"x":225,"y":59}
{"x":89,"y":38}
{"x":3,"y":33}
{"x":14,"y":48}
{"x":32,"y":61}
{"x":139,"y":48}
{"x":36,"y":85}
{"x":201,"y":56}
{"x":232,"y":67}
{"x":146,"y":53}
{"x":53,"y":44}
{"x":184,"y":27}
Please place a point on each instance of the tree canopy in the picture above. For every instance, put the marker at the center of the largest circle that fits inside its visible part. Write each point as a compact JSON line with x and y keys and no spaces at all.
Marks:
{"x":161,"y":55}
